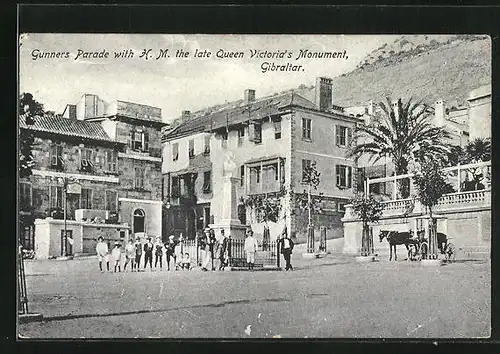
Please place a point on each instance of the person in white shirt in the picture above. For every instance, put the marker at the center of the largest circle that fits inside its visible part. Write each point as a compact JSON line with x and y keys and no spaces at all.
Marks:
{"x":250,"y":249}
{"x":116,"y":254}
{"x":286,"y":245}
{"x":102,"y":252}
{"x":129,"y":255}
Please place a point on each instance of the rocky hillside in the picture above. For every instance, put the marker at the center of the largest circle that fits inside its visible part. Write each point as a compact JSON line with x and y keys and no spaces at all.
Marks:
{"x":426,"y":68}
{"x":423,"y":67}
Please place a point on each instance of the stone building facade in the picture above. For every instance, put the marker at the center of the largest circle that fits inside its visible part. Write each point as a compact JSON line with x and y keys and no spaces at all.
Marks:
{"x":270,"y":140}
{"x":112,"y":164}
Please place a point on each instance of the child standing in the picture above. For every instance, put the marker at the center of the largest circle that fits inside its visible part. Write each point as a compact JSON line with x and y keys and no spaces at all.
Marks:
{"x":102,"y":252}
{"x":129,"y":255}
{"x":116,"y":254}
{"x":158,"y":252}
{"x":138,"y":253}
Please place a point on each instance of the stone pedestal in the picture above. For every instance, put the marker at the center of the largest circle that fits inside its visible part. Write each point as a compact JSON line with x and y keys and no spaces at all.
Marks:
{"x":228,"y":220}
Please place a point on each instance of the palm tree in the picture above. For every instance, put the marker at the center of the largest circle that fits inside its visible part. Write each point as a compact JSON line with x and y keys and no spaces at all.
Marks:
{"x":403,"y":133}
{"x":478,"y":150}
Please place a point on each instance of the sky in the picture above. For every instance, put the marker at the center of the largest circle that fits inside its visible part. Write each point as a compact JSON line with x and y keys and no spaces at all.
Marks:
{"x":173,"y":83}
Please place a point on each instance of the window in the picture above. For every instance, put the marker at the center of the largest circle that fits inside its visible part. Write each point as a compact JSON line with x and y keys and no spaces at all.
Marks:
{"x":277,"y":129}
{"x":56,"y":196}
{"x":207,"y":182}
{"x":111,"y":200}
{"x":306,"y":128}
{"x":306,"y":164}
{"x":86,"y":198}
{"x":255,"y":132}
{"x":258,"y":133}
{"x":224,"y":139}
{"x":175,"y":151}
{"x":139,"y":178}
{"x":242,"y":175}
{"x":344,"y":176}
{"x":206,"y":150}
{"x":176,"y":187}
{"x":343,"y":135}
{"x":139,"y":140}
{"x":56,"y":156}
{"x":257,"y":174}
{"x":24,"y":194}
{"x":111,"y":160}
{"x":191,"y":148}
{"x":86,"y":161}
{"x":241,"y":135}
{"x":341,"y":206}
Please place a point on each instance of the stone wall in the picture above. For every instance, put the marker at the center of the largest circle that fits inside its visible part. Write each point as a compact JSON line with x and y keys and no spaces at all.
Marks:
{"x":48,"y":236}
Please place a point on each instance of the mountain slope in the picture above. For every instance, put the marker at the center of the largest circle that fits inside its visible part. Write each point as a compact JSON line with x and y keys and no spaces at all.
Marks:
{"x":447,"y":71}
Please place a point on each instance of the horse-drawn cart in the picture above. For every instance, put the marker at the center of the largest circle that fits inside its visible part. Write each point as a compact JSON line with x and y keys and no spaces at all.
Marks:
{"x":417,"y":241}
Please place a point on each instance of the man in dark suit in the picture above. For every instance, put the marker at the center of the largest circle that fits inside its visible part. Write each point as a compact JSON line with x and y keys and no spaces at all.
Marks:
{"x":148,"y":254}
{"x":286,"y":246}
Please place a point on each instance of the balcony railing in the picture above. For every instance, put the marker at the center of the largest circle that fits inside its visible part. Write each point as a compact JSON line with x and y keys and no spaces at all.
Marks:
{"x":465,"y":199}
{"x":448,"y":202}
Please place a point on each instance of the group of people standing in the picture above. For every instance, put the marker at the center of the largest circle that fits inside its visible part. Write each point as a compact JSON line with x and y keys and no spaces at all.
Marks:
{"x":134,"y":252}
{"x":213,"y":252}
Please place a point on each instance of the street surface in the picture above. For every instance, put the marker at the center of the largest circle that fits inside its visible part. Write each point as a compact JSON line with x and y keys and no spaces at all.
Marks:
{"x":329,"y":297}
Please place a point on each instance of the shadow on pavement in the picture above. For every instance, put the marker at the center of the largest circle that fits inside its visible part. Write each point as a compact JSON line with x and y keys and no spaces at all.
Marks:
{"x":125,"y":313}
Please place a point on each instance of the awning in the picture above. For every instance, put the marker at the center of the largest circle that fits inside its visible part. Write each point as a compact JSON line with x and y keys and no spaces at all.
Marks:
{"x":263,"y":159}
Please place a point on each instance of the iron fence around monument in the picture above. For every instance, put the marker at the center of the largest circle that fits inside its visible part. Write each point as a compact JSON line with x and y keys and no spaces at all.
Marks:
{"x":267,"y":255}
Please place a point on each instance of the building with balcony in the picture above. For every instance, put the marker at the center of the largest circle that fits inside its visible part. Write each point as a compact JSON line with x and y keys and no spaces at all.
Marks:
{"x":112,"y":153}
{"x":271,"y":140}
{"x":462,"y":122}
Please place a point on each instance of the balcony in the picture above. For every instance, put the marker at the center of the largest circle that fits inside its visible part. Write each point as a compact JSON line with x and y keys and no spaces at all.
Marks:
{"x":448,"y":202}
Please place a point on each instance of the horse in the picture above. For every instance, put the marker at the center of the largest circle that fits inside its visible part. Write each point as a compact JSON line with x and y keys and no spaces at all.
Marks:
{"x":398,"y":238}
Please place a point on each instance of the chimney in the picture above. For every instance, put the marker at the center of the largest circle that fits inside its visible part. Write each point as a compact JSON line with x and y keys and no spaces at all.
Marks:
{"x":395,"y":108}
{"x":370,"y":107}
{"x":249,"y":96}
{"x":72,"y":111}
{"x":323,"y":94}
{"x":185,"y":115}
{"x":439,"y":113}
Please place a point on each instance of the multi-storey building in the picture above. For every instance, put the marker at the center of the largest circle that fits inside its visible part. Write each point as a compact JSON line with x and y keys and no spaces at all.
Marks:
{"x":271,"y":140}
{"x":111,"y":152}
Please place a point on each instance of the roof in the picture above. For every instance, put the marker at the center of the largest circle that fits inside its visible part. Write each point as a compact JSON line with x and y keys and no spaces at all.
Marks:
{"x":69,"y":127}
{"x":479,"y":92}
{"x":237,"y":113}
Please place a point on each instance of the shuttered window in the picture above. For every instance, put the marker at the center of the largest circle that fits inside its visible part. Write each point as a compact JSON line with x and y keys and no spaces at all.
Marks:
{"x":344,"y":176}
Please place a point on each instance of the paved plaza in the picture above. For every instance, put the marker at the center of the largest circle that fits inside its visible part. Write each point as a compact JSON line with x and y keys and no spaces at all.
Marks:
{"x":329,"y":297}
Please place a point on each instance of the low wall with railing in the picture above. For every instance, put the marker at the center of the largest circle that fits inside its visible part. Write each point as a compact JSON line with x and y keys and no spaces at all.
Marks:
{"x":464,"y":217}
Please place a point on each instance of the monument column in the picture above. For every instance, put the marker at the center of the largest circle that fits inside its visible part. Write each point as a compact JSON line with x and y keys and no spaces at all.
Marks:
{"x":229,"y":221}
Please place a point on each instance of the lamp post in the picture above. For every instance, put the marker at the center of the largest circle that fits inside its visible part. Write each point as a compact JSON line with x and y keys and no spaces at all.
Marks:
{"x":66,"y":181}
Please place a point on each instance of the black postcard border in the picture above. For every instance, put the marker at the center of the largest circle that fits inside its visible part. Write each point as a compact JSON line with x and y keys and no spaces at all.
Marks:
{"x":262,"y":19}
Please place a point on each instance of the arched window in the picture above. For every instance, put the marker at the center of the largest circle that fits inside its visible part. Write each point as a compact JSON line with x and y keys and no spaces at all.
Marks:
{"x":139,"y":220}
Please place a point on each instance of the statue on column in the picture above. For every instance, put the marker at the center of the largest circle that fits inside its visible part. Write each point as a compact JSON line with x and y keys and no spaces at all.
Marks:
{"x":229,"y":166}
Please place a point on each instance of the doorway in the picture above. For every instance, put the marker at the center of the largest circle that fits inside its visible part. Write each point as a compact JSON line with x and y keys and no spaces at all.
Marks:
{"x":139,"y":217}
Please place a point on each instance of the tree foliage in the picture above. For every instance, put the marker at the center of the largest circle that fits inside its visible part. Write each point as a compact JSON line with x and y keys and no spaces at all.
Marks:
{"x":311,"y":178}
{"x":477,"y":150}
{"x":369,"y":210}
{"x":401,"y":133}
{"x":29,"y":110}
{"x":267,"y":207}
{"x":431,"y":184}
